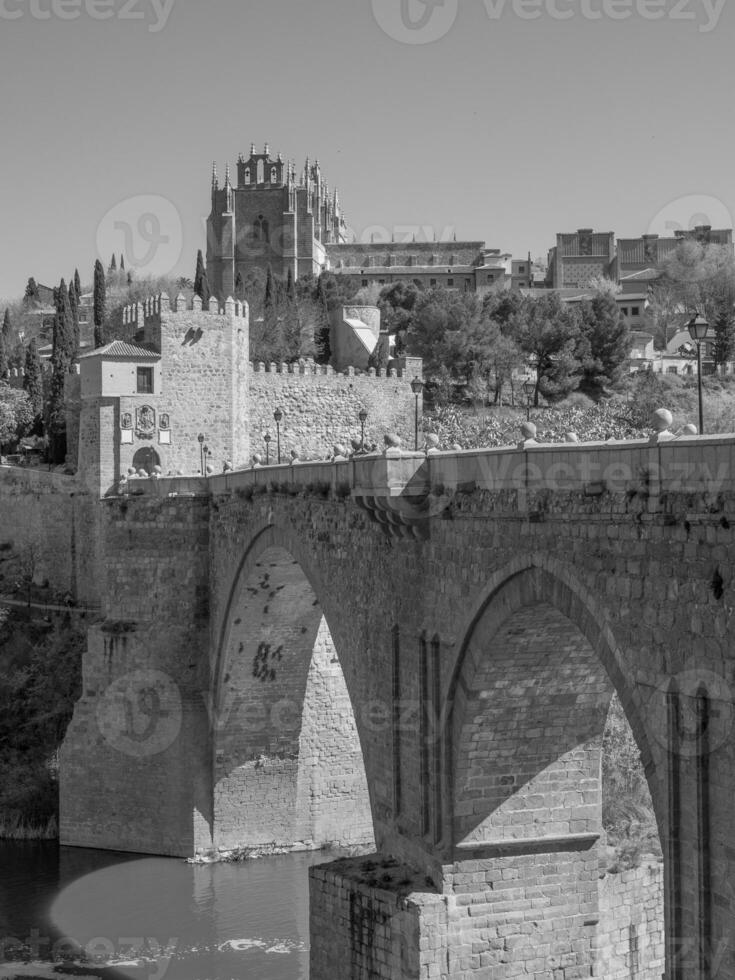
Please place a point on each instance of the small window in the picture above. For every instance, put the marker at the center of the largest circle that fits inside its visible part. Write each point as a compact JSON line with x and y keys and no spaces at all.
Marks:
{"x":145,"y":380}
{"x":672,"y":369}
{"x":432,"y":282}
{"x":274,"y":175}
{"x":247,"y":175}
{"x":364,"y":282}
{"x":521,"y":268}
{"x":624,"y":310}
{"x":636,"y":311}
{"x":450,"y":282}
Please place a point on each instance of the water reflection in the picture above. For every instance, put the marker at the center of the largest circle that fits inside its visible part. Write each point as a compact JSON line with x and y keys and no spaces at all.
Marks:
{"x":146,"y":918}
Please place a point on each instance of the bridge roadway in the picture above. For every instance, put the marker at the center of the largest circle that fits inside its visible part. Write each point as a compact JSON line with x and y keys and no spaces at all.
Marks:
{"x":420,"y":651}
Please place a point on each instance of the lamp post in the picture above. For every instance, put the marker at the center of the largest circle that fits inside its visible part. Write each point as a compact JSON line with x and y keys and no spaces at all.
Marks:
{"x":417,"y":386}
{"x":207,"y":453}
{"x":529,"y":386}
{"x":200,"y":440}
{"x":362,"y":415}
{"x":267,"y":440}
{"x":698,"y":330}
{"x":278,"y":415}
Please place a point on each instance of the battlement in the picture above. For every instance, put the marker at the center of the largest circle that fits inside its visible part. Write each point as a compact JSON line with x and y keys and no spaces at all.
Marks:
{"x":138,"y":316}
{"x":18,"y":374}
{"x":309,"y":367}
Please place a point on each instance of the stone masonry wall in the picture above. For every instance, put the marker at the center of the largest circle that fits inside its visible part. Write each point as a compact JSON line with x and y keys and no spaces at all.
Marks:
{"x":47,"y":521}
{"x":366,"y":917}
{"x":630,"y":934}
{"x":321,"y":409}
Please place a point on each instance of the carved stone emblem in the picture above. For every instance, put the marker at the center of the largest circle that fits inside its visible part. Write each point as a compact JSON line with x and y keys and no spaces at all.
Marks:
{"x":145,"y":422}
{"x":164,"y":421}
{"x":126,"y":421}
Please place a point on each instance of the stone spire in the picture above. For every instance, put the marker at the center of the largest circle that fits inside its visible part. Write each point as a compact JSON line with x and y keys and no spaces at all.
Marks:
{"x":215,"y":180}
{"x":228,"y":189}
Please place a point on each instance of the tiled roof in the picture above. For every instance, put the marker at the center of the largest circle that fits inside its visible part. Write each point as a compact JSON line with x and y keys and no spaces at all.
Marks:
{"x":119,"y":349}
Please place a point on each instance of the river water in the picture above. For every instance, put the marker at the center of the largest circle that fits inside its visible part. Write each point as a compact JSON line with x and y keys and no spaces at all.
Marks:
{"x":75,"y":912}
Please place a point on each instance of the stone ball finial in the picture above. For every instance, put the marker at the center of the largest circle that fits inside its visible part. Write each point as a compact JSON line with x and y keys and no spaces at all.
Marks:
{"x":131,"y":471}
{"x":256,"y":459}
{"x":339,"y":451}
{"x":662,"y":419}
{"x":294,"y":456}
{"x":227,"y":466}
{"x":143,"y":474}
{"x":431,"y":441}
{"x":210,"y":469}
{"x":690,"y":430}
{"x":528,"y":430}
{"x":392,"y":440}
{"x":571,"y":437}
{"x":456,"y":447}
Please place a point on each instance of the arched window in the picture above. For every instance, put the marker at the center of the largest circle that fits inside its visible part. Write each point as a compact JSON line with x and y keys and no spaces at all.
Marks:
{"x":261,"y":229}
{"x":247,"y":175}
{"x":274,"y":175}
{"x":261,"y":172}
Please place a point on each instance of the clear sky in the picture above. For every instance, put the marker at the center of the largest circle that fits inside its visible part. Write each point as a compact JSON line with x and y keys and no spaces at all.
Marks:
{"x":494,"y":119}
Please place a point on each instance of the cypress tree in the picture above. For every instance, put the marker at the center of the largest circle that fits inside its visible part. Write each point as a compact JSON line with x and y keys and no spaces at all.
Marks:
{"x":270,"y":291}
{"x":63,"y":348}
{"x":113,"y":264}
{"x":33,"y":380}
{"x":62,"y":359}
{"x":122,"y":262}
{"x":77,"y":285}
{"x":100,"y":291}
{"x":4,"y":365}
{"x":199,"y":275}
{"x":290,"y":286}
{"x":7,"y":327}
{"x":239,"y":286}
{"x":31,"y":294}
{"x":74,"y":308}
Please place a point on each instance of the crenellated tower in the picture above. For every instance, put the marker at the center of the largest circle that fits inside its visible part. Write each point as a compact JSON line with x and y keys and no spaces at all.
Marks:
{"x":270,"y":219}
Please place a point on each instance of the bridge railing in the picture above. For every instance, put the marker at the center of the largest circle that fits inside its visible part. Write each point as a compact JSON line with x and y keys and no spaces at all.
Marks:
{"x":683,"y":464}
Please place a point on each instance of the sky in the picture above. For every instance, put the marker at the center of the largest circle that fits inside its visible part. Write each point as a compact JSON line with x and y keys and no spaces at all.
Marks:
{"x":505,"y":121}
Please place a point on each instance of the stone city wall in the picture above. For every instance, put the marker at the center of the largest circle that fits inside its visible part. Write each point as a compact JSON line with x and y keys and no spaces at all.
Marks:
{"x":320,"y":408}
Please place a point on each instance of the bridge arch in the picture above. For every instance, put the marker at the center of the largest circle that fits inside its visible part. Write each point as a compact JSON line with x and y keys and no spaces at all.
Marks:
{"x":528,"y":705}
{"x":287,"y":759}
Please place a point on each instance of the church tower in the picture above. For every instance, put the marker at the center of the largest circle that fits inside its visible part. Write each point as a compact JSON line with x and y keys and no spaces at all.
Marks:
{"x":269,"y":219}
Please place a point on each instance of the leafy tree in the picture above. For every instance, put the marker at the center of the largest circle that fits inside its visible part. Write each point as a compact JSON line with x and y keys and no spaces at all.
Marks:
{"x":100,"y":303}
{"x":608,"y":344}
{"x":397,"y":303}
{"x":32,"y":295}
{"x":33,"y":379}
{"x":445,"y":328}
{"x":16,"y":414}
{"x":724,"y":330}
{"x":549,"y":336}
{"x":290,"y":287}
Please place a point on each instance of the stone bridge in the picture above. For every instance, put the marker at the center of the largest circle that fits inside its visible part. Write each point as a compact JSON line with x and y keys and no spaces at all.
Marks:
{"x":421,"y":650}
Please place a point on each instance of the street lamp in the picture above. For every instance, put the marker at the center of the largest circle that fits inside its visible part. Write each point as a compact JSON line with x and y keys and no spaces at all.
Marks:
{"x":362,"y":415}
{"x":698,"y":331}
{"x":529,"y":386}
{"x":200,"y":440}
{"x":278,"y":415}
{"x":267,"y":440}
{"x":417,"y":386}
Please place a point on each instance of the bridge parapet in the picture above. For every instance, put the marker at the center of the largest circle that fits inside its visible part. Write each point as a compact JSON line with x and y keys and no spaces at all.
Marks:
{"x":684,"y":465}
